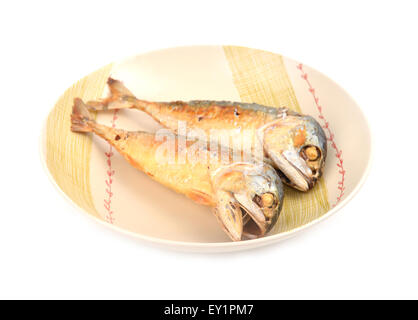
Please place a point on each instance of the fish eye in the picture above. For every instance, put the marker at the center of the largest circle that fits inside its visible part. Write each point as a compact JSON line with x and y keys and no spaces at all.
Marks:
{"x":310,"y":153}
{"x":266,"y":200}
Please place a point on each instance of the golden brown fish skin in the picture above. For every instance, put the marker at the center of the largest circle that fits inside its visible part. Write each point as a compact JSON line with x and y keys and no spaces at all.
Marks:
{"x":140,"y":148}
{"x":203,"y":114}
{"x":232,"y":188}
{"x":213,"y":116}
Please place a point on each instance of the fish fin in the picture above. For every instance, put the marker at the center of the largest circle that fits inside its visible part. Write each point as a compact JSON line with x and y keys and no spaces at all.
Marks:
{"x":81,"y":119}
{"x":117,"y":87}
{"x":120,"y":98}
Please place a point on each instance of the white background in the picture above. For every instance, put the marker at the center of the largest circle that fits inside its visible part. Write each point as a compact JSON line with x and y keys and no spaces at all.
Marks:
{"x":48,"y":249}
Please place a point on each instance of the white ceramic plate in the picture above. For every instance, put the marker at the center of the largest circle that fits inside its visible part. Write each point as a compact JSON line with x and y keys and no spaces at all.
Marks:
{"x":102,"y":184}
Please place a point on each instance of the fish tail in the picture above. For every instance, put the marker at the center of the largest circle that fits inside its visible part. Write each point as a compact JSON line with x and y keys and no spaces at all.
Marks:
{"x":81,"y":120}
{"x":120,"y":98}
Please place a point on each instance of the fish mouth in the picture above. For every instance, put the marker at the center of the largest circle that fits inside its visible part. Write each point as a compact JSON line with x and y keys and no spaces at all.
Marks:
{"x":302,"y":183}
{"x":255,"y":223}
{"x":243,"y":210}
{"x":256,"y":220}
{"x":241,"y":218}
{"x":251,"y":229}
{"x":255,"y":226}
{"x":297,"y":176}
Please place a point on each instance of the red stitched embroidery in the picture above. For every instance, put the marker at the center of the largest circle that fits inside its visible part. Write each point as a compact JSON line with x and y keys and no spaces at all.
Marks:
{"x":107,"y":201}
{"x":330,"y":138}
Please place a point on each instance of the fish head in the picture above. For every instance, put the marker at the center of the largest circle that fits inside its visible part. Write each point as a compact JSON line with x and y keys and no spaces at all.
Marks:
{"x":297,"y":146}
{"x":249,"y":199}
